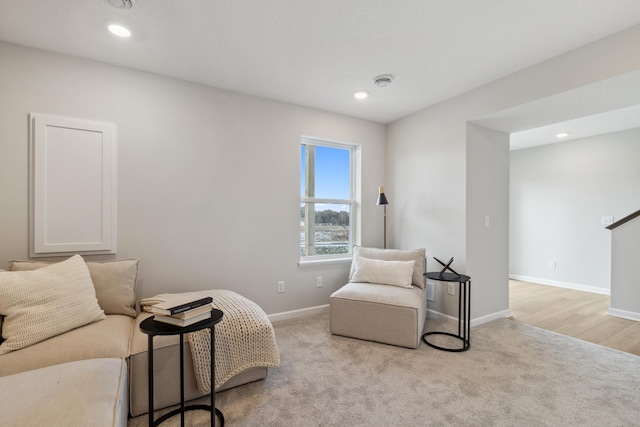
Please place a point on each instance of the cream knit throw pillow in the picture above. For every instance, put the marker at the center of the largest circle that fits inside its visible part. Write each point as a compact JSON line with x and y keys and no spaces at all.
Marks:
{"x":114,"y":282}
{"x":43,"y":303}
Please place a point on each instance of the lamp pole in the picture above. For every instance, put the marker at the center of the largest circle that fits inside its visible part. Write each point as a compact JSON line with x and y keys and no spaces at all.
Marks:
{"x":382,"y":200}
{"x":385,"y":225}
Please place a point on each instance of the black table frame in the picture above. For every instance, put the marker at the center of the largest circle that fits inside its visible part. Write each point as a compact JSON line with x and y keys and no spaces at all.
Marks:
{"x":152,"y":328}
{"x":464,"y":310}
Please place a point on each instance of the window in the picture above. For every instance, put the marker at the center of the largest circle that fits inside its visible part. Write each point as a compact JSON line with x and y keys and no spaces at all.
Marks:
{"x":327,"y":202}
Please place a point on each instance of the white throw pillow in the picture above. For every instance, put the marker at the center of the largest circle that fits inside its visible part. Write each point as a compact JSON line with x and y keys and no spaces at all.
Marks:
{"x":394,"y":255}
{"x":395,"y":273}
{"x":43,"y":303}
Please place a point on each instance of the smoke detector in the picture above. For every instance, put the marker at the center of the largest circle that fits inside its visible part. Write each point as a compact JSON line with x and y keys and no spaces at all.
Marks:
{"x":121,"y":4}
{"x":383,"y":80}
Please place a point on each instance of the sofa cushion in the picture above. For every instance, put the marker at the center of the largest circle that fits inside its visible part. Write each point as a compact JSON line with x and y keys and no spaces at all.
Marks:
{"x":105,"y":338}
{"x":394,"y":273}
{"x":78,"y":394}
{"x":114,"y":282}
{"x":394,"y":255}
{"x":40,"y":304}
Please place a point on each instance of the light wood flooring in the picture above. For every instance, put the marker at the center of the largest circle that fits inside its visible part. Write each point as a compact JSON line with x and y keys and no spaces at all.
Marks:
{"x":574,"y":313}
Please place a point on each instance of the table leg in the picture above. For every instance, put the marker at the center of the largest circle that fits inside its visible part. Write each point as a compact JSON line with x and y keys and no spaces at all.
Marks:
{"x":469,"y":314}
{"x":461,"y":309}
{"x":181,"y":380}
{"x":214,"y":412}
{"x":212,"y":377}
{"x":464,"y":314}
{"x":150,"y":378}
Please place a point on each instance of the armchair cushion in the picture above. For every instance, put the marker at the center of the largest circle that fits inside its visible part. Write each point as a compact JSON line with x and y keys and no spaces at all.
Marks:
{"x":386,"y":314}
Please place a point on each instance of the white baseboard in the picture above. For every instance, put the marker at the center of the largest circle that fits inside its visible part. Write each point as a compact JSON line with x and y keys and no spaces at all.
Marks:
{"x":441,"y":315}
{"x":474,"y":322}
{"x":624,"y":314}
{"x":489,"y":317}
{"x":299,"y":313}
{"x":325,"y":308}
{"x":567,"y":285}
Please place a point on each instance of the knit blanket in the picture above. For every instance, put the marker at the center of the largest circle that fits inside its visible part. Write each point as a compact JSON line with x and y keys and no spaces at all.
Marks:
{"x":244,"y":338}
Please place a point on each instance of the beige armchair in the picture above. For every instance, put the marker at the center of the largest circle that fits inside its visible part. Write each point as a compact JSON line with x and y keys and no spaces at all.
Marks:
{"x":385,"y":299}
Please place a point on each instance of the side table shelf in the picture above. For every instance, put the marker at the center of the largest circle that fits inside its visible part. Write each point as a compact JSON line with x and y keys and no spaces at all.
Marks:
{"x":152,"y":328}
{"x":464,"y":311}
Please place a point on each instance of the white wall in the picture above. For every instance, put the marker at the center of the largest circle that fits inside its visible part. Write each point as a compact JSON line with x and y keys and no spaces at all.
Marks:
{"x":487,"y":216}
{"x":625,"y":292}
{"x":559,"y":194}
{"x":427,"y":164}
{"x":208,"y":180}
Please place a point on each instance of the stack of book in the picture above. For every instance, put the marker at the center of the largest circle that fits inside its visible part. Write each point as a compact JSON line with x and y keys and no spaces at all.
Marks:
{"x":183,"y":313}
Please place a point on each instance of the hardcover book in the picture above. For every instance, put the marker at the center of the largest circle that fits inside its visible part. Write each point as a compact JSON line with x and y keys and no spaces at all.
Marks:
{"x":174,"y":307}
{"x":183,"y":322}
{"x":193,"y":312}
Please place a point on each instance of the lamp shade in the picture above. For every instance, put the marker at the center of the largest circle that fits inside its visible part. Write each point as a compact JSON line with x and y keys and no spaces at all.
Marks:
{"x":382,"y":199}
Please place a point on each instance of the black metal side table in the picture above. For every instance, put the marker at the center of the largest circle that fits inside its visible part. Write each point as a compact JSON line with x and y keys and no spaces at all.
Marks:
{"x":152,"y":328}
{"x":464,"y":310}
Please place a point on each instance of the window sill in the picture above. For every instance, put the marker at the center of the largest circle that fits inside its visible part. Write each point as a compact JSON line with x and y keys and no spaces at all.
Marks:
{"x":324,"y":261}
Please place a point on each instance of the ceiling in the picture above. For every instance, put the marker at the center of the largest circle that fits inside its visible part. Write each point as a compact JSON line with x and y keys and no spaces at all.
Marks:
{"x":607,"y":106}
{"x":317,"y":53}
{"x":584,"y":127}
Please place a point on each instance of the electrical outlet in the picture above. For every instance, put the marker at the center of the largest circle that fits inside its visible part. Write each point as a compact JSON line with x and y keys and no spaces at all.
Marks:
{"x":280,"y":287}
{"x":452,"y":289}
{"x":552,"y":264}
{"x":319,"y":282}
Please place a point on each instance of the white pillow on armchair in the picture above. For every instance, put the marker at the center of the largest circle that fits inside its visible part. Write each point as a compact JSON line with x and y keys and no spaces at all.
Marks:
{"x":417,"y":255}
{"x":394,"y":273}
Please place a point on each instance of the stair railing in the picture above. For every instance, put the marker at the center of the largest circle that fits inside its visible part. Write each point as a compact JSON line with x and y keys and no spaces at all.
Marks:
{"x":623,"y":220}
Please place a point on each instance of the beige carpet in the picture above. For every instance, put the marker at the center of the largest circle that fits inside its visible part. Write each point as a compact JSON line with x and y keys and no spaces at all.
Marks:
{"x":513,"y":375}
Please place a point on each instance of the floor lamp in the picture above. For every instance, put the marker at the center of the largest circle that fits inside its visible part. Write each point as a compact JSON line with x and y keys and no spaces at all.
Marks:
{"x":382,"y":200}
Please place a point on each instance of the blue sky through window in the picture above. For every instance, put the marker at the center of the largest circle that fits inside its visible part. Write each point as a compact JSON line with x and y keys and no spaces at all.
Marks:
{"x":333,"y":174}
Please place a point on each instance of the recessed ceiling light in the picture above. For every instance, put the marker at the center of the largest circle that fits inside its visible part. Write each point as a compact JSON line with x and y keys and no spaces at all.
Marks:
{"x":119,"y":30}
{"x":562,"y":135}
{"x":361,"y":94}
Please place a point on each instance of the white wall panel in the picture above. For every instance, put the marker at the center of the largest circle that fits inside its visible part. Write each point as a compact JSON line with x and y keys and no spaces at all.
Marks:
{"x":73,"y":185}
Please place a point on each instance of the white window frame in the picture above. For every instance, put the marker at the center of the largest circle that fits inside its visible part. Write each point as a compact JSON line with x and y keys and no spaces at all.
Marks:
{"x":354,"y":202}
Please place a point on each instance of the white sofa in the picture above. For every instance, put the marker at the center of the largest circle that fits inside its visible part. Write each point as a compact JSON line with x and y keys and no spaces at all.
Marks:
{"x":93,"y":374}
{"x":385,"y":300}
{"x":74,"y":394}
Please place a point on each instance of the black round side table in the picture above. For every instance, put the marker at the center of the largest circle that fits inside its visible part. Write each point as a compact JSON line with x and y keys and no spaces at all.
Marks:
{"x":152,"y":328}
{"x":464,"y":310}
